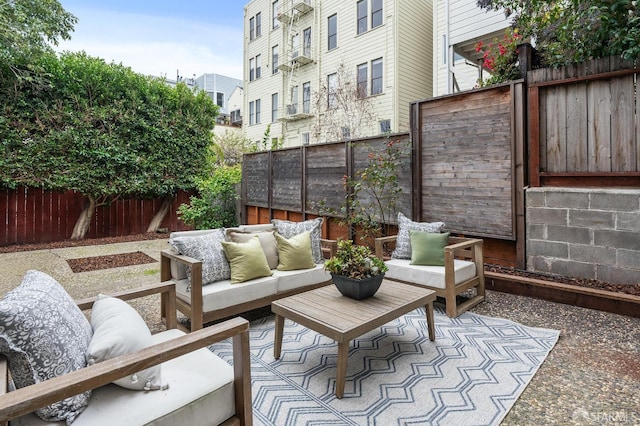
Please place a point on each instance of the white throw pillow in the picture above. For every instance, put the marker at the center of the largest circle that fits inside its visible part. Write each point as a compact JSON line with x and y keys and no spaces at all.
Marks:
{"x":118,"y":329}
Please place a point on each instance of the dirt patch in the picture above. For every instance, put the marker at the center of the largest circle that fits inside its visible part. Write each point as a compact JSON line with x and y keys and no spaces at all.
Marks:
{"x":94,"y":263}
{"x":87,"y":242}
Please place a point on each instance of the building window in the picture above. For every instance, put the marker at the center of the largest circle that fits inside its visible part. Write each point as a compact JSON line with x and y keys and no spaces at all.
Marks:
{"x":362,"y":16}
{"x":304,"y":138}
{"x":385,"y":126}
{"x":363,"y":80}
{"x":332,"y":87}
{"x":295,"y":45}
{"x":376,"y":76}
{"x":306,"y":39}
{"x":376,"y":13}
{"x":220,"y":99}
{"x":332,"y":31}
{"x":252,"y":113}
{"x":258,"y":24}
{"x":258,"y":66}
{"x":346,"y":133}
{"x":274,"y":59}
{"x":306,"y":97}
{"x":274,"y":107}
{"x":252,"y":69}
{"x":293,"y":106}
{"x":252,"y":28}
{"x":274,"y":15}
{"x":258,"y":111}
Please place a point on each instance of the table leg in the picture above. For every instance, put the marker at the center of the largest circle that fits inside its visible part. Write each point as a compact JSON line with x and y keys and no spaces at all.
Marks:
{"x":341,"y":373}
{"x":277,"y":343}
{"x":430,"y":321}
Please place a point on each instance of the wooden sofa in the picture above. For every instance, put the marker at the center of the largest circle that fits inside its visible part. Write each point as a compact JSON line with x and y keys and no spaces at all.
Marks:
{"x":224,"y":299}
{"x":180,"y":354}
{"x":463,"y":270}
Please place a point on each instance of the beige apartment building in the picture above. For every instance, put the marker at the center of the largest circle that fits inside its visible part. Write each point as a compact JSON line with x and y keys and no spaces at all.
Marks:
{"x":298,"y":52}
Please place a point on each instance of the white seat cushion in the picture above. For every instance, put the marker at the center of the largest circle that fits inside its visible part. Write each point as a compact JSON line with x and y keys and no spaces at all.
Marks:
{"x":222,"y":294}
{"x":431,"y":276}
{"x":200,"y":393}
{"x":289,"y":280}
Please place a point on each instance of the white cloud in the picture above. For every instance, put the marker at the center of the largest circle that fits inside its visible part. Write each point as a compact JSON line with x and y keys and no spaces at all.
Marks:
{"x":158,"y":45}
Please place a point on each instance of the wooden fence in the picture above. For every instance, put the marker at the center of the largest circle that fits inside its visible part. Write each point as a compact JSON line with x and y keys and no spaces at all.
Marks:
{"x":30,"y":215}
{"x":584,"y":124}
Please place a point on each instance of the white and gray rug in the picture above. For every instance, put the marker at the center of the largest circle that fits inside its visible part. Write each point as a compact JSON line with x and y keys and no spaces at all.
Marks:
{"x":471,"y":375}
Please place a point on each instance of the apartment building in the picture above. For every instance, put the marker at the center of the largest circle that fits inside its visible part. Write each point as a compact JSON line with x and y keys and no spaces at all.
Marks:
{"x":295,"y":48}
{"x":459,"y":25}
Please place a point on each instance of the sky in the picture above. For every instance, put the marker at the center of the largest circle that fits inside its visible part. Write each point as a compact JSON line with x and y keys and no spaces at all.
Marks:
{"x":159,"y":37}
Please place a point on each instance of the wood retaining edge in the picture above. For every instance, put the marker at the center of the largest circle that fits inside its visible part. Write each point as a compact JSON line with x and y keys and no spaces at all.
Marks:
{"x":602,"y":300}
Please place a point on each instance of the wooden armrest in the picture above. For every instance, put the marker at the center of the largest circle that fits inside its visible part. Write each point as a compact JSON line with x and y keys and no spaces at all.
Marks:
{"x":462,"y":243}
{"x":330,"y":245}
{"x":167,"y":293}
{"x":26,"y":400}
{"x":380,"y":242}
{"x":171,"y":254}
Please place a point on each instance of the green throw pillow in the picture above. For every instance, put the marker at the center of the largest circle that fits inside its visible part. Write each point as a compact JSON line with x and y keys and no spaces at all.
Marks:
{"x":427,"y":248}
{"x":247,"y":260}
{"x":295,"y":252}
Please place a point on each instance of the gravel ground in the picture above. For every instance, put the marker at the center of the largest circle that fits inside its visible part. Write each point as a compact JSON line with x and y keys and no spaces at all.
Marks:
{"x":591,"y":377}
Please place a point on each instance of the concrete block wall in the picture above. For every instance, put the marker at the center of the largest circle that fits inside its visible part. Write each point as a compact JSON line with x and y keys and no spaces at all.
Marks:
{"x":584,"y":233}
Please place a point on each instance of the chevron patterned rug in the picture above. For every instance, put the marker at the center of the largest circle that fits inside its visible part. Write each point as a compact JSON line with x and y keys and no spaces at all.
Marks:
{"x":471,"y":375}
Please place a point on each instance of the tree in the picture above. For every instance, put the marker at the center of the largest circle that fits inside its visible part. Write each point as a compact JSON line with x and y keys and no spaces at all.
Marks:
{"x":574,"y":31}
{"x":344,"y":110}
{"x":104,"y":131}
{"x":27,"y":30}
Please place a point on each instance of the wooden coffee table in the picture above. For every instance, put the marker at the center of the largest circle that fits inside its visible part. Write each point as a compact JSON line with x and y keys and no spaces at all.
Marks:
{"x":342,"y":319}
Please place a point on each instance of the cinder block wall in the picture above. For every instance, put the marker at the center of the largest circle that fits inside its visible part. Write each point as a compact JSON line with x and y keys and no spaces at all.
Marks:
{"x":585,"y":233}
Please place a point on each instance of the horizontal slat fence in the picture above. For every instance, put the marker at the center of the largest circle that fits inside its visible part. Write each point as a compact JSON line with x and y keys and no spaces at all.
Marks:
{"x":307,"y":181}
{"x":32,"y":215}
{"x":585,"y":124}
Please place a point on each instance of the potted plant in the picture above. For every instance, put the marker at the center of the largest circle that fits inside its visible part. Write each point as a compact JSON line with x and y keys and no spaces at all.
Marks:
{"x":355,"y":271}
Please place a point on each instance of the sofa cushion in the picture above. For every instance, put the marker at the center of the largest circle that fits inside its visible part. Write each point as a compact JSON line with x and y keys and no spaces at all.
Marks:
{"x":118,"y":329}
{"x":427,"y":248}
{"x":247,"y":260}
{"x":267,"y":241}
{"x":44,"y":335}
{"x":295,"y":252}
{"x":403,"y":241}
{"x":208,"y":249}
{"x":430,"y":276}
{"x":196,"y":395}
{"x":179,"y":270}
{"x":288,"y":229}
{"x":291,"y":280}
{"x":223,"y":294}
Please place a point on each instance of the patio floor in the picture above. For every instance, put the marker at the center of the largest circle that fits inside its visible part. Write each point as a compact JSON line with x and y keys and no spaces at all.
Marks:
{"x":591,"y":376}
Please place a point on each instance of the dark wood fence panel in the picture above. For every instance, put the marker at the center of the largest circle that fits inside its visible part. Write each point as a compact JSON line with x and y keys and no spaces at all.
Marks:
{"x":585,"y":124}
{"x":255,"y":179}
{"x":326,"y":165}
{"x":467,"y":162}
{"x":31,"y":215}
{"x":286,"y":175}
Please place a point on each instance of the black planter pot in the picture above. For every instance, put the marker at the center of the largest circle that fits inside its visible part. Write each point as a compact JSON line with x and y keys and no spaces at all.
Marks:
{"x":357,"y":289}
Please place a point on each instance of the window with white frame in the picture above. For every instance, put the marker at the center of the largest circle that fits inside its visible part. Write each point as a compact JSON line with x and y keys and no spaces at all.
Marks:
{"x":332,"y":87}
{"x":295,"y":45}
{"x":346,"y":133}
{"x":252,"y":69}
{"x":258,"y":24}
{"x":252,"y":28}
{"x":306,"y":42}
{"x":274,"y":15}
{"x":220,"y":99}
{"x":274,"y":59}
{"x":292,"y":109}
{"x":274,"y":107}
{"x":306,"y":97}
{"x":304,"y":138}
{"x":376,"y":76}
{"x":363,"y":12}
{"x":363,"y":79}
{"x":361,"y":7}
{"x":385,"y":126}
{"x":258,"y":66}
{"x":252,"y":113}
{"x":332,"y":32}
{"x":257,"y":111}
